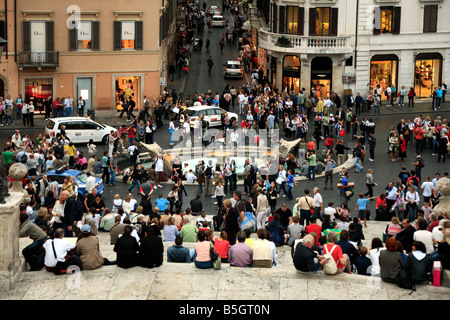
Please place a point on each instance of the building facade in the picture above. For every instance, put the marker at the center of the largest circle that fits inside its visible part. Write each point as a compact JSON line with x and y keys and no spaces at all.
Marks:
{"x":353,"y":45}
{"x":103,"y":51}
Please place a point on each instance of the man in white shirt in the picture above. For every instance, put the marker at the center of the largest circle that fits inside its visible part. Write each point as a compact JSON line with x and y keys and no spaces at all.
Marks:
{"x":330,"y":211}
{"x":427,"y":189}
{"x":234,"y":139}
{"x":159,"y":168}
{"x":241,"y":99}
{"x":318,"y":204}
{"x":90,"y":182}
{"x":190,"y":177}
{"x":56,"y":251}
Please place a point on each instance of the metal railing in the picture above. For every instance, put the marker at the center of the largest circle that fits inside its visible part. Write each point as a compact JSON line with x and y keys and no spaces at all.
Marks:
{"x":38,"y":59}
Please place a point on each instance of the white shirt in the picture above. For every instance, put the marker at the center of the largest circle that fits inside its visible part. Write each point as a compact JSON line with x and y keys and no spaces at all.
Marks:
{"x":317,"y":199}
{"x":427,"y":187}
{"x":412,"y":197}
{"x":159,"y":164}
{"x":90,"y":184}
{"x":426,"y":237}
{"x":234,"y":136}
{"x":190,"y":177}
{"x":330,"y":211}
{"x":61,"y":248}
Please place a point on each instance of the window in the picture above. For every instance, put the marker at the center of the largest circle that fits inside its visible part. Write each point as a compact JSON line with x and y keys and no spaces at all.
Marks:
{"x":430,"y":17}
{"x":322,"y":21}
{"x":295,"y":20}
{"x":386,"y":20}
{"x":84,"y":36}
{"x":128,"y":35}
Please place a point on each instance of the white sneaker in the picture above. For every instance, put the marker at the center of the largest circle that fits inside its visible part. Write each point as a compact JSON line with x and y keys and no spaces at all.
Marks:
{"x":159,"y":186}
{"x":212,"y":197}
{"x":215,"y":202}
{"x":155,"y":187}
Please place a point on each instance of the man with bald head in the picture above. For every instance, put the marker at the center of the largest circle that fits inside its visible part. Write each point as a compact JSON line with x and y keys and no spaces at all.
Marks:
{"x":69,"y":213}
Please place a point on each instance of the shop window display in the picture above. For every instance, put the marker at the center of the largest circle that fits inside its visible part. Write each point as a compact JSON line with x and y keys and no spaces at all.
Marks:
{"x":383,"y":73}
{"x":427,"y":75}
{"x":127,"y":87}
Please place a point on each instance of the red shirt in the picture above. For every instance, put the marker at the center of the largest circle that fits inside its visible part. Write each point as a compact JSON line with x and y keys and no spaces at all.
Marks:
{"x":314,"y":228}
{"x":222,"y":247}
{"x":337,"y":253}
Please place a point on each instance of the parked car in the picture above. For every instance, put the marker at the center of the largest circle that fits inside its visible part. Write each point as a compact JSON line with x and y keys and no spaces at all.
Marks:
{"x":211,"y":114}
{"x":233,"y":69}
{"x":79,"y":178}
{"x":79,"y":129}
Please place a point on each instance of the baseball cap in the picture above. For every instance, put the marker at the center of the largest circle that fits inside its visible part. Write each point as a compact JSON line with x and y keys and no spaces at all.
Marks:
{"x":86,"y":228}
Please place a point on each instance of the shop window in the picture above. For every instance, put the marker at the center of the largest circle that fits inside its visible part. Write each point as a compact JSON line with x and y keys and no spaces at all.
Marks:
{"x":383,"y":72}
{"x":291,"y":73}
{"x":127,"y":88}
{"x":128,"y":34}
{"x":427,"y":74}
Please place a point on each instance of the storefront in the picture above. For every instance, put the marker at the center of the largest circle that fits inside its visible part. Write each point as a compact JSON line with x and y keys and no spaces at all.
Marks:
{"x":291,"y":73}
{"x":321,"y":76}
{"x":37,"y":90}
{"x":383,"y":71}
{"x":428,"y":73}
{"x":125,"y":88}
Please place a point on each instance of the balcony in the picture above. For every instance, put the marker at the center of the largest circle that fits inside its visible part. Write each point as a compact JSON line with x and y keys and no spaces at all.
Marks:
{"x":38,"y":60}
{"x":304,"y":44}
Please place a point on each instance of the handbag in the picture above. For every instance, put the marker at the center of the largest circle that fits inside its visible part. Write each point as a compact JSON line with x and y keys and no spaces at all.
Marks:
{"x":215,"y":258}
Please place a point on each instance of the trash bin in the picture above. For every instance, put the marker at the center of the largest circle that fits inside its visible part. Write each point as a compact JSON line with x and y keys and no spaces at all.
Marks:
{"x":91,"y":113}
{"x":365,"y":106}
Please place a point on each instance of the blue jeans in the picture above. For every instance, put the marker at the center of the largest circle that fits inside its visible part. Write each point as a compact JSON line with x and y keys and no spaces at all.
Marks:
{"x":112,"y":179}
{"x":135,"y":182}
{"x":228,"y":178}
{"x":129,"y":141}
{"x":289,"y":193}
{"x":312,"y":169}
{"x":377,"y":109}
{"x":10,"y":119}
{"x":358,"y":165}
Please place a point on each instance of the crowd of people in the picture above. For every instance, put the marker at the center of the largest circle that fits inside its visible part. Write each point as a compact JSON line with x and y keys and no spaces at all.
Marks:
{"x":317,"y":234}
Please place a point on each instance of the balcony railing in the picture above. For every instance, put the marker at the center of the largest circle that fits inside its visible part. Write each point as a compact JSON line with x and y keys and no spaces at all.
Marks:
{"x":270,"y":40}
{"x":38,"y":59}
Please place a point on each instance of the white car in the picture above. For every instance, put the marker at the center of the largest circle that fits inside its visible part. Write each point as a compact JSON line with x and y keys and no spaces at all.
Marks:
{"x":233,"y":69}
{"x":211,"y":114}
{"x":79,"y":129}
{"x":213,"y":10}
{"x":217,"y":21}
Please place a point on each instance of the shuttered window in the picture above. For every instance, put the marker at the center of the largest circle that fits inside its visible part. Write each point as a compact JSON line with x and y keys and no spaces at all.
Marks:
{"x":282,"y":20}
{"x":274,"y":18}
{"x":295,"y":20}
{"x":430,"y":17}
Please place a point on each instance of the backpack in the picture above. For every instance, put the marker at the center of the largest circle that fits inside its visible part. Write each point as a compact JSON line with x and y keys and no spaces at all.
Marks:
{"x":421,"y":163}
{"x":208,"y":172}
{"x":363,"y":153}
{"x":330,"y":267}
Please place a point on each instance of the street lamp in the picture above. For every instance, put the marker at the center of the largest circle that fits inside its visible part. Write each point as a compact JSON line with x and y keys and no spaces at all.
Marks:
{"x":3,"y":43}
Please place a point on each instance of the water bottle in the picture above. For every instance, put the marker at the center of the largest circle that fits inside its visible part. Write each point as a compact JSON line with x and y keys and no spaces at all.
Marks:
{"x":319,"y":272}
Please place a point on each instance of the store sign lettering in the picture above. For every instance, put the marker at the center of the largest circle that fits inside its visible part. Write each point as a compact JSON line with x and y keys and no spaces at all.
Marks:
{"x":37,"y":33}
